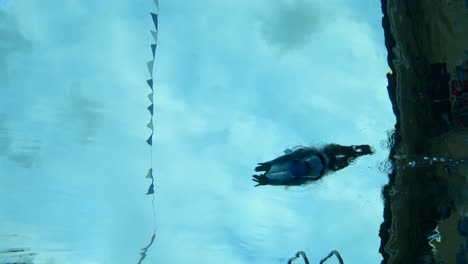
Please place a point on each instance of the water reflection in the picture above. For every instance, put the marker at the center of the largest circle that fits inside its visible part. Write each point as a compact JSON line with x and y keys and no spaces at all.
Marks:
{"x":90,"y":144}
{"x":16,"y":256}
{"x":438,"y":181}
{"x":303,"y":255}
{"x":426,"y":197}
{"x":144,"y":251}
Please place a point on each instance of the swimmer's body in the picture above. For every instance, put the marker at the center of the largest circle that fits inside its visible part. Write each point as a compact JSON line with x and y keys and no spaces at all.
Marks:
{"x":305,"y":164}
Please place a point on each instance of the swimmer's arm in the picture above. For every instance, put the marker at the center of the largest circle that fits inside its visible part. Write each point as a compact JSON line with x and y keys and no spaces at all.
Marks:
{"x":297,"y":154}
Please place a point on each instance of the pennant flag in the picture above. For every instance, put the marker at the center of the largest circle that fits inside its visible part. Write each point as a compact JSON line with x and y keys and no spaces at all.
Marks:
{"x":150,"y":124}
{"x":150,"y":108}
{"x":155,"y":20}
{"x":155,"y":35}
{"x":150,"y":67}
{"x":150,"y":83}
{"x":150,"y":174}
{"x":144,"y":251}
{"x":150,"y":189}
{"x":150,"y":97}
{"x":153,"y":49}
{"x":150,"y":140}
{"x":156,"y":2}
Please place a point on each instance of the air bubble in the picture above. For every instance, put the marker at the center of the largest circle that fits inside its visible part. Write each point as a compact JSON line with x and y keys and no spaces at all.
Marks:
{"x":384,"y":144}
{"x":391,"y":137}
{"x":390,"y":141}
{"x":385,"y":166}
{"x":351,"y":161}
{"x":380,"y":168}
{"x":412,"y":164}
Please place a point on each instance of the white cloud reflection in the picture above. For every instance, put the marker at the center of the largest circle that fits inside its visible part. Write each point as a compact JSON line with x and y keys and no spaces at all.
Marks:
{"x":234,"y":86}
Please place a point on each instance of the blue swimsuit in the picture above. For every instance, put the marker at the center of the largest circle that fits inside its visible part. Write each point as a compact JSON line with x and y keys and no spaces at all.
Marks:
{"x":311,"y":167}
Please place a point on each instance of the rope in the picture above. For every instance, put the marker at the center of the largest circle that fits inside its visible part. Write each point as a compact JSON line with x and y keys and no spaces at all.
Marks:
{"x":150,"y":64}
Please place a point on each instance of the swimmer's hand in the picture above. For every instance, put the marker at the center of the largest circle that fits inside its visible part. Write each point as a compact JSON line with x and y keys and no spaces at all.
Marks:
{"x":263,"y":166}
{"x":260,"y":180}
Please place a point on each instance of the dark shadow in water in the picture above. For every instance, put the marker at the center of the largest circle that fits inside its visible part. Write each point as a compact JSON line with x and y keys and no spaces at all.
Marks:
{"x":12,"y":41}
{"x":16,"y":256}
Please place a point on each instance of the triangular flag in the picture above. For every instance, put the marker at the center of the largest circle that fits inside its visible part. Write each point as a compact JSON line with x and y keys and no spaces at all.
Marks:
{"x":156,"y":2}
{"x":150,"y":67}
{"x":155,"y":35}
{"x":150,"y":108}
{"x":150,"y":83}
{"x":150,"y":189}
{"x":150,"y":174}
{"x":150,"y":140}
{"x":150,"y":97}
{"x":153,"y":49}
{"x":155,"y":20}
{"x":150,"y":124}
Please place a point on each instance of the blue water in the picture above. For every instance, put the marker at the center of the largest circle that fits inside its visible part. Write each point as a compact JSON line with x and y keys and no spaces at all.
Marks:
{"x":230,"y":90}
